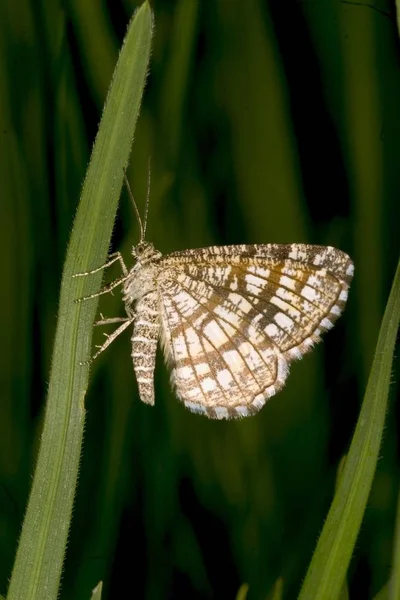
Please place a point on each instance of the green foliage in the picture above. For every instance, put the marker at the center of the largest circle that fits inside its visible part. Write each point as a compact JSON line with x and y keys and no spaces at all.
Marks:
{"x":96,"y":595}
{"x":277,"y":122}
{"x":242,"y":592}
{"x":37,"y":568}
{"x":331,"y":558}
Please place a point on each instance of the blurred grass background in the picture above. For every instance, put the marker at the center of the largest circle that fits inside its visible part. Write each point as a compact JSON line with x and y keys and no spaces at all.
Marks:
{"x":266,"y":121}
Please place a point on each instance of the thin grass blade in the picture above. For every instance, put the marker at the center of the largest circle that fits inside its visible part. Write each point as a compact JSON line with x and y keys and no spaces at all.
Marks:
{"x":40,"y":554}
{"x":329,"y":564}
{"x":96,"y":594}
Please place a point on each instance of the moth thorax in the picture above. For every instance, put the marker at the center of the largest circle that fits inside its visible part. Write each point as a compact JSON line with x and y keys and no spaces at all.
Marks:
{"x":142,"y":280}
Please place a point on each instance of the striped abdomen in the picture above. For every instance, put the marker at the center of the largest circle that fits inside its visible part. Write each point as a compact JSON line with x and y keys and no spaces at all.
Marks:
{"x":144,"y":344}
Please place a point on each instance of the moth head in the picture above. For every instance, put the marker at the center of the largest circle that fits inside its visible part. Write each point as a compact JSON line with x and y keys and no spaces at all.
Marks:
{"x":142,"y":251}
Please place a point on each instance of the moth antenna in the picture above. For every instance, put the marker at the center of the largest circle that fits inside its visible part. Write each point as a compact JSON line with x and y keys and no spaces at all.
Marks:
{"x":146,"y":210}
{"x":142,"y":231}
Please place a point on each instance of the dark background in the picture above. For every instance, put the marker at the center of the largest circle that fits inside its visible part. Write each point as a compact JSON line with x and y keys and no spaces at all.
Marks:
{"x":265,"y":122}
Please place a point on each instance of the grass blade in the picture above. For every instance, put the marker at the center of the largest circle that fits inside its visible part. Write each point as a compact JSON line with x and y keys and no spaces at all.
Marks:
{"x":242,"y":592}
{"x":96,"y":594}
{"x":277,"y":591}
{"x":383,"y":593}
{"x":326,"y":574}
{"x":40,"y":554}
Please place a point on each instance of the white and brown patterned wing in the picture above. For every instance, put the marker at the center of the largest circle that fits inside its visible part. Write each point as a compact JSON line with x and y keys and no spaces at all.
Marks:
{"x":233,"y":317}
{"x":222,"y":366}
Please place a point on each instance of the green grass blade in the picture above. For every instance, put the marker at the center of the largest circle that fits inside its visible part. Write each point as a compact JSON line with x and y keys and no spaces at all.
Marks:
{"x":96,"y":594}
{"x":326,"y":574}
{"x":40,"y":554}
{"x":177,"y":76}
{"x":242,"y":592}
{"x":383,"y":593}
{"x":277,"y":591}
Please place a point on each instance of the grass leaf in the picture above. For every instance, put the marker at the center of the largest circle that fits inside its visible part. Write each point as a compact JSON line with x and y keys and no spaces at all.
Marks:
{"x":96,"y":594}
{"x":38,"y":564}
{"x":326,"y":574}
{"x":277,"y":590}
{"x":242,"y":592}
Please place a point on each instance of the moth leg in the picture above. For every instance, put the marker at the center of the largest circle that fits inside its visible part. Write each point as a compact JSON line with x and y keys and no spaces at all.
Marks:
{"x":109,"y":340}
{"x":105,"y":290}
{"x":104,"y":321}
{"x":111,"y":260}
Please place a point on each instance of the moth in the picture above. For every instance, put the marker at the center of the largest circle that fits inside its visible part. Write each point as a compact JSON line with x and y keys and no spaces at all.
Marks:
{"x":230,"y":319}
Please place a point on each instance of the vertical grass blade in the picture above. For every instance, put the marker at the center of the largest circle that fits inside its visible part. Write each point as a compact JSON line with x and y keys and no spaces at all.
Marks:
{"x":277,"y":591}
{"x":96,"y":594}
{"x":383,"y":593}
{"x":242,"y":592}
{"x":177,"y":76}
{"x":326,"y":574}
{"x":38,"y":564}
